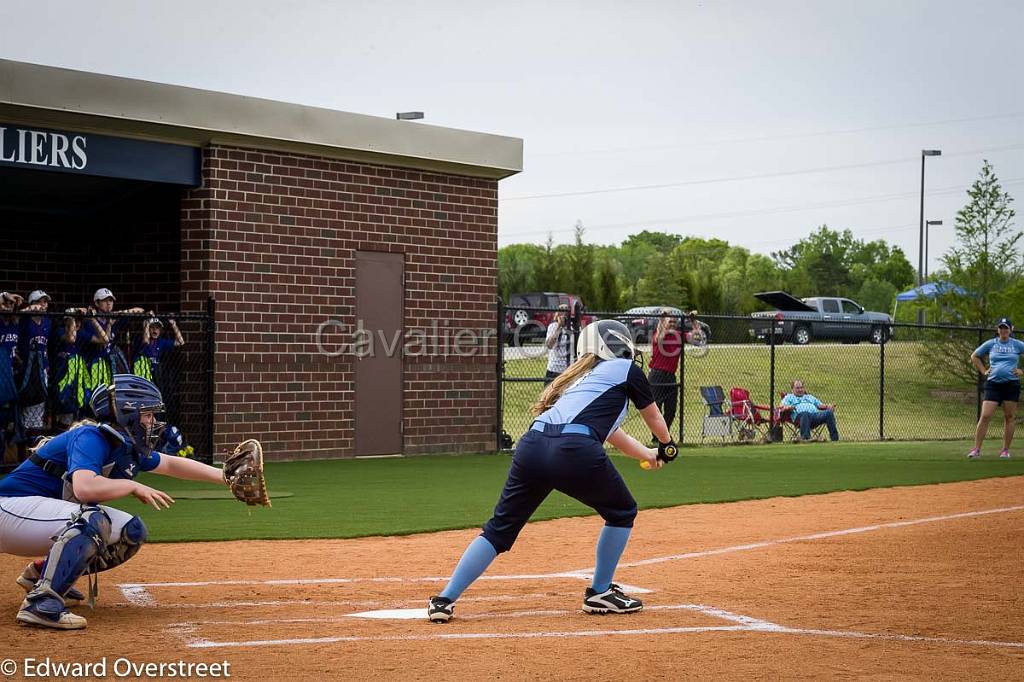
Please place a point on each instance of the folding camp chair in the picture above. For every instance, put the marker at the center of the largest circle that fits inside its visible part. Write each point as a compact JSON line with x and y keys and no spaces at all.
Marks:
{"x":717,"y":422}
{"x":752,"y":422}
{"x":787,"y":417}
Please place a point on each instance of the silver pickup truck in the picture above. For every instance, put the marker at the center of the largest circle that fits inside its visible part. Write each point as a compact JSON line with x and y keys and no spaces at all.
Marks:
{"x":801,"y":321}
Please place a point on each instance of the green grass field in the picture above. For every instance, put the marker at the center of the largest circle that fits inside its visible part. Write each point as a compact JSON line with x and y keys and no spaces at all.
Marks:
{"x":352,"y":498}
{"x":918,"y":404}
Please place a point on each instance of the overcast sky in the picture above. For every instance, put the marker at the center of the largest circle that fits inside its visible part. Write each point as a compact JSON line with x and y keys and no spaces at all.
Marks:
{"x":754,"y":121}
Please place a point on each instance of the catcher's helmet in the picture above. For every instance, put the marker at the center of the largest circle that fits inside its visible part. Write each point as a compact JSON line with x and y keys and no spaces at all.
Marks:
{"x":123,"y":401}
{"x":607,"y":339}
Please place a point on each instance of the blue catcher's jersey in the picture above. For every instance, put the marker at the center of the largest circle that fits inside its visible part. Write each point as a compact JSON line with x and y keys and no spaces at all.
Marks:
{"x":84,"y":447}
{"x":600,"y":399}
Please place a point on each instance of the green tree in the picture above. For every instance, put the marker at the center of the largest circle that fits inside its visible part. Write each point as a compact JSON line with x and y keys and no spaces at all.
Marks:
{"x":762,"y":275}
{"x":547,"y":271}
{"x":986,"y":259}
{"x":659,"y":285}
{"x":637,"y":249}
{"x":607,"y":289}
{"x":986,"y":262}
{"x":517,"y":268}
{"x":877,"y":295}
{"x":579,"y":267}
{"x":822,"y":260}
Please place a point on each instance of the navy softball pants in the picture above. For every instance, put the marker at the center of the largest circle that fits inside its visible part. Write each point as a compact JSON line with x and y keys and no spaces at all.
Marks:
{"x":573,"y":464}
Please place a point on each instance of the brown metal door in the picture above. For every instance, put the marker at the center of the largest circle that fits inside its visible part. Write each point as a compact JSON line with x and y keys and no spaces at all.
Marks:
{"x":380,"y":293}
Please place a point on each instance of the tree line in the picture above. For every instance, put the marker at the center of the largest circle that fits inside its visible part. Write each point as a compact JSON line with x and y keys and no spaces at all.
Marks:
{"x":710,"y":275}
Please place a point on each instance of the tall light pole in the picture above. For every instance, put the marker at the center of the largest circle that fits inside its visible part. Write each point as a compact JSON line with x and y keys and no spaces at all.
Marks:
{"x":920,"y":242}
{"x":927,"y":229}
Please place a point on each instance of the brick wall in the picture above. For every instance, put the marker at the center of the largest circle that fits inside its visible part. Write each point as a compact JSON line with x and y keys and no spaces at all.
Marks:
{"x":273,"y":238}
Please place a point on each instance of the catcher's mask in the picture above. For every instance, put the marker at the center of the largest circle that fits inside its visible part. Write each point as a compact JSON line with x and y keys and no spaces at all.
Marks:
{"x":124,"y":401}
{"x":607,"y":339}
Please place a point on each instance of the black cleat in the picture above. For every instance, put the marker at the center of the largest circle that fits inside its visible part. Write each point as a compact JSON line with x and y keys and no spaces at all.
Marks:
{"x":611,"y":600}
{"x":440,"y":609}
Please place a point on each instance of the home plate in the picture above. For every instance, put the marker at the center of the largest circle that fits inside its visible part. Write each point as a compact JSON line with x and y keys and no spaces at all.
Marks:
{"x":393,"y":614}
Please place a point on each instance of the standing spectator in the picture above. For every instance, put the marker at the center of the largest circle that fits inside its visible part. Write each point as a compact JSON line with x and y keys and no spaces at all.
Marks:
{"x":148,"y":356}
{"x":70,"y":376}
{"x":809,"y":412}
{"x":103,"y":359}
{"x":153,"y":346}
{"x":9,"y":365}
{"x":666,"y":346}
{"x":1002,"y":386}
{"x":33,"y":350}
{"x":558,"y":341}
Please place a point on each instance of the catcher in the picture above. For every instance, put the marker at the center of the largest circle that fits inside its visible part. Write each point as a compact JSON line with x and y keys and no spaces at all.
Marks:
{"x":51,"y":504}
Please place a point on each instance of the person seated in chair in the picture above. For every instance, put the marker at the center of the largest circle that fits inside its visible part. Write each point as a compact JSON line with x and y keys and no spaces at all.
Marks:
{"x":809,"y":412}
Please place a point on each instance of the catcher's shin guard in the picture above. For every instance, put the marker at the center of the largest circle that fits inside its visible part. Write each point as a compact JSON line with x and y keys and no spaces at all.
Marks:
{"x":85,"y":536}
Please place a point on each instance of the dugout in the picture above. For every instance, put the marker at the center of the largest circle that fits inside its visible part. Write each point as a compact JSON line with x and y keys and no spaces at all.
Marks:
{"x":299,"y":222}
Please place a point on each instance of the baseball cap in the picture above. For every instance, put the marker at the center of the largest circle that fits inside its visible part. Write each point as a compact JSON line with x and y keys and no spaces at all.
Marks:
{"x":1004,"y":322}
{"x":103,"y":294}
{"x":36,"y":295}
{"x":154,"y":320}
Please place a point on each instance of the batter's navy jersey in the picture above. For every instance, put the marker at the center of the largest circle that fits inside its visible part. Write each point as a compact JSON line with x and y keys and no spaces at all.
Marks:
{"x":84,"y":447}
{"x":600,"y":399}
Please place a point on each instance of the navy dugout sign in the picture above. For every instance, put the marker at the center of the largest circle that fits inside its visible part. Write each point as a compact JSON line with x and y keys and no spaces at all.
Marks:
{"x":89,"y":154}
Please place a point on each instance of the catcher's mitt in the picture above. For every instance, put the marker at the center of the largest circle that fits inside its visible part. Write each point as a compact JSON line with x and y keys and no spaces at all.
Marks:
{"x":243,"y":472}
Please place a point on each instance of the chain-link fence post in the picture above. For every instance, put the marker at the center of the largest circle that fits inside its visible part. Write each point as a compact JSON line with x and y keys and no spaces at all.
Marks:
{"x":499,"y":373}
{"x":681,"y":387}
{"x":211,"y":354}
{"x":881,"y":390}
{"x":978,"y":383}
{"x":771,"y":365}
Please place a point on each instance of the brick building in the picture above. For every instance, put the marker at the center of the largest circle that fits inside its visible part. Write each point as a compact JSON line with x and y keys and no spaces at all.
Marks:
{"x":299,"y":222}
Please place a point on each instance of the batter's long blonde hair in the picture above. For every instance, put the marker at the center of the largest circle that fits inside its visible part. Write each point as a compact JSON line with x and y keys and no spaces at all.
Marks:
{"x":556,"y":388}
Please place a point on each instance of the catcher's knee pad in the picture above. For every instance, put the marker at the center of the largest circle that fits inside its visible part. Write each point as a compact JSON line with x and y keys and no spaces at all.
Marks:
{"x":85,"y":537}
{"x":133,"y":535}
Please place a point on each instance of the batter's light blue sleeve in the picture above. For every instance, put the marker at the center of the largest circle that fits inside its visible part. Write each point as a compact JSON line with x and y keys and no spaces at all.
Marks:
{"x":87,"y":450}
{"x":983,"y":350}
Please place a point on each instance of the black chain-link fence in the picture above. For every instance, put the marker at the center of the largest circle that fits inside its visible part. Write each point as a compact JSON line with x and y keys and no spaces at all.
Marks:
{"x":916,"y":384}
{"x":50,"y":363}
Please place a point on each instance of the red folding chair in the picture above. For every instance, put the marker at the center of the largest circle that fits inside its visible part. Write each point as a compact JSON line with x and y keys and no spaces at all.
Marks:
{"x":751,"y":421}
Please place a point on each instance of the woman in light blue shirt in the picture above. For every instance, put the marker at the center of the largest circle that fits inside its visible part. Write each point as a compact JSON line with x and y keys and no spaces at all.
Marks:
{"x":1002,"y":386}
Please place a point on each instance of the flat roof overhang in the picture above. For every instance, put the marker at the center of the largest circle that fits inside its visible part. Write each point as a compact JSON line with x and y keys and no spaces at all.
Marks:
{"x":51,"y":97}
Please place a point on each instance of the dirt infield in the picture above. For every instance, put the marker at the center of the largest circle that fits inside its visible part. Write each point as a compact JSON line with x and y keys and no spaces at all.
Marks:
{"x":921,"y":582}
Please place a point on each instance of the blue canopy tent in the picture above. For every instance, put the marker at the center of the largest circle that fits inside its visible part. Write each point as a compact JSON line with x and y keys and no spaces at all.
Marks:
{"x":928,"y":290}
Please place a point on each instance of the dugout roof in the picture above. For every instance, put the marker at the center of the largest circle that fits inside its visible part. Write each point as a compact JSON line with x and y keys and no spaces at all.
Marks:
{"x":65,"y":99}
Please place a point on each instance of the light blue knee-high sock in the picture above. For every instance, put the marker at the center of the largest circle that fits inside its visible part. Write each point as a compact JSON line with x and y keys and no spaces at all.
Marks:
{"x":475,"y":560}
{"x":609,"y":548}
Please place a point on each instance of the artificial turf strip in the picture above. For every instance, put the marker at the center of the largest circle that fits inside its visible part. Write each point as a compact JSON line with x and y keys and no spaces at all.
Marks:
{"x":353,"y":498}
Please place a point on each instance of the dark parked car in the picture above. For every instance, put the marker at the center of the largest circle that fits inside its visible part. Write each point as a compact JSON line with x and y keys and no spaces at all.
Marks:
{"x":643,"y":320}
{"x":801,"y":321}
{"x":523,"y":322}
